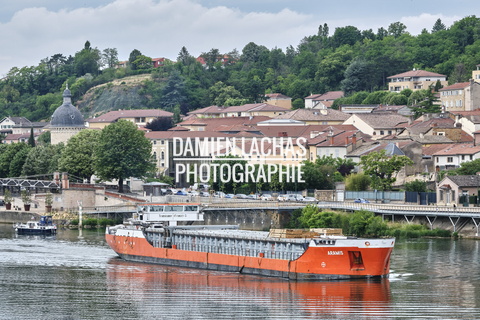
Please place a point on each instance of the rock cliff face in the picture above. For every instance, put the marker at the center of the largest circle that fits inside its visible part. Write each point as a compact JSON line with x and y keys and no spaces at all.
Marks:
{"x":119,"y":94}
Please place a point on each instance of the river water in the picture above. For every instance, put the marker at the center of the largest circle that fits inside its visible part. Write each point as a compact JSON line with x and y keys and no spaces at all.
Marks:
{"x":73,"y":276}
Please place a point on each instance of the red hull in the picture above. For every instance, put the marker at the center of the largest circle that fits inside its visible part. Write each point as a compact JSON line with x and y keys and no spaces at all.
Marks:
{"x":320,"y":262}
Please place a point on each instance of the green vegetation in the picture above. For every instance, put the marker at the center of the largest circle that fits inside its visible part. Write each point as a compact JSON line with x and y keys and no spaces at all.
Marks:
{"x":360,"y":223}
{"x":347,"y":58}
{"x":122,"y":151}
{"x":97,"y":223}
{"x":383,"y":168}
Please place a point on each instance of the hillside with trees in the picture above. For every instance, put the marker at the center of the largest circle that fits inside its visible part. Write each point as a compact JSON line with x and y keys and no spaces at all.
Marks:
{"x":355,"y":61}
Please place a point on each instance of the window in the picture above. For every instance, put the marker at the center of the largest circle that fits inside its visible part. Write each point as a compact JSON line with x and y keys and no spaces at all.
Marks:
{"x":163,"y":155}
{"x":449,"y":159}
{"x":382,"y":132}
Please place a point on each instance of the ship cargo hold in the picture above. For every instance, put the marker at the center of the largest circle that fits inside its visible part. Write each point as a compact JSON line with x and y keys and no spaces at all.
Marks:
{"x":154,"y":235}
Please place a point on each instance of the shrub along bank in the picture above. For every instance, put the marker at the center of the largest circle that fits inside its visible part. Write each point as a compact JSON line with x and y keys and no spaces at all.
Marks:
{"x":360,"y":223}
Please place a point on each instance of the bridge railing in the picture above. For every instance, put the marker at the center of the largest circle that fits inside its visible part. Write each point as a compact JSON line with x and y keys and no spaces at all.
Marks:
{"x":404,"y":209}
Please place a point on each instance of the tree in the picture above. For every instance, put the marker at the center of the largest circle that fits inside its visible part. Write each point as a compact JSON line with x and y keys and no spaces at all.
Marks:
{"x":357,"y":182}
{"x":8,"y":152}
{"x":469,"y":167}
{"x":346,"y":35}
{"x":438,"y":26}
{"x":142,"y":63}
{"x":31,"y":139}
{"x":78,"y":158}
{"x":422,"y":102}
{"x":219,"y":93}
{"x":44,"y":138}
{"x":87,"y":60}
{"x":184,"y":57}
{"x":160,"y":124}
{"x":396,"y":29}
{"x":122,"y":151}
{"x":110,"y":57}
{"x":43,"y":159}
{"x":174,"y":91}
{"x":416,"y":186}
{"x":358,"y":77}
{"x":133,"y":56}
{"x":319,"y":176}
{"x":364,"y":223}
{"x":383,"y":168}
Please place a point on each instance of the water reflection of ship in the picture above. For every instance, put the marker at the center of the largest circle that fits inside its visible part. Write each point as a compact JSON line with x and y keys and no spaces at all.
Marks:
{"x":141,"y":280}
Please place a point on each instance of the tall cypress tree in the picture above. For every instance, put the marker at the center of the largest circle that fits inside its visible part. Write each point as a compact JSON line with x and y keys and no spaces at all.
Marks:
{"x":31,"y":139}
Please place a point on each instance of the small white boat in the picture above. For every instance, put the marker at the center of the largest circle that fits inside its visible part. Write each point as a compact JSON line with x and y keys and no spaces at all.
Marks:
{"x":44,"y":226}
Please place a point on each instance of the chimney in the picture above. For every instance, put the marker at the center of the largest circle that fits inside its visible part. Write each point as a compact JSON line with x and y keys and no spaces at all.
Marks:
{"x":354,"y":141}
{"x":56,"y":178}
{"x":330,"y":135}
{"x":346,"y":141}
{"x":65,"y":182}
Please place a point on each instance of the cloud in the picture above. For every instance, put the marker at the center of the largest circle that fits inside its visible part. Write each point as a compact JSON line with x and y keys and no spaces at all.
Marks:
{"x":156,"y":28}
{"x":415,"y":24}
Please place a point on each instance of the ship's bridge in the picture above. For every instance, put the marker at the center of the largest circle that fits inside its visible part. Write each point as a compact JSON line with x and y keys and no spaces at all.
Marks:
{"x":172,"y":213}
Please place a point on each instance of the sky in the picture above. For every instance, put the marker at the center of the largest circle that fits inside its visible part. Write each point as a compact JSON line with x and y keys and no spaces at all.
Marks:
{"x":32,"y":30}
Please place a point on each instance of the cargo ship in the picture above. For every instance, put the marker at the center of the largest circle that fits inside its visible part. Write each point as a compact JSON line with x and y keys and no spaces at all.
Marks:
{"x":166,"y":234}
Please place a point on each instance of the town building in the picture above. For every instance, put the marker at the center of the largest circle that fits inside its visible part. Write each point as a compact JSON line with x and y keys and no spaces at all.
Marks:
{"x":464,"y":96}
{"x":314,"y":116}
{"x":415,"y":80}
{"x":140,"y":117}
{"x":322,"y":101}
{"x":453,"y":155}
{"x":450,"y":188}
{"x":378,"y":125}
{"x":279,"y":100}
{"x":476,"y":74}
{"x":66,"y":120}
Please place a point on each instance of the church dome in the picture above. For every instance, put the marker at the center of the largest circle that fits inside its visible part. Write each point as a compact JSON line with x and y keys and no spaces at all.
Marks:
{"x":67,"y":115}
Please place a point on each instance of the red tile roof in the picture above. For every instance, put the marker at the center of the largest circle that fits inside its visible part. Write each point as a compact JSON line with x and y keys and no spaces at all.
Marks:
{"x":460,"y":148}
{"x":113,"y":116}
{"x":277,"y":96}
{"x":416,"y":73}
{"x":331,"y":95}
{"x":455,"y":86}
{"x":211,"y":124}
{"x":210,"y":110}
{"x":315,"y":115}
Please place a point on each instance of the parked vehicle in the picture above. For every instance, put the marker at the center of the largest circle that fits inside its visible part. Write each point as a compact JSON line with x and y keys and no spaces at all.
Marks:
{"x":204,"y":194}
{"x":294,"y":197}
{"x":361,"y":200}
{"x":241,"y":196}
{"x":282,"y":197}
{"x":309,"y":199}
{"x":253,"y":196}
{"x":266,"y":197}
{"x":220,"y":194}
{"x":229,"y":196}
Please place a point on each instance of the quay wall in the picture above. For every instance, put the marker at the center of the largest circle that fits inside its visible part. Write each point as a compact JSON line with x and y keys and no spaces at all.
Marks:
{"x":16,"y":216}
